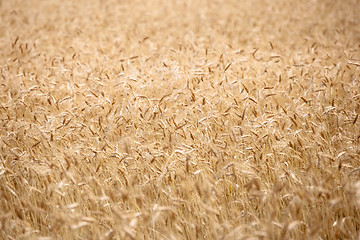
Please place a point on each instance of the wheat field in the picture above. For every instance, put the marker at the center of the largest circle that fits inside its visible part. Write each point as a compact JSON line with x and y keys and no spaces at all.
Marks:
{"x":234,"y":119}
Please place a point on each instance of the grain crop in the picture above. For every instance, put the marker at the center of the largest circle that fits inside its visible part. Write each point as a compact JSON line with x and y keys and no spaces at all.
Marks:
{"x":222,"y":119}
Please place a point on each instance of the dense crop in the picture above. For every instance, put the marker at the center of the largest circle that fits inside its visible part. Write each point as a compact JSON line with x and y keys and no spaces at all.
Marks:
{"x":179,"y":119}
